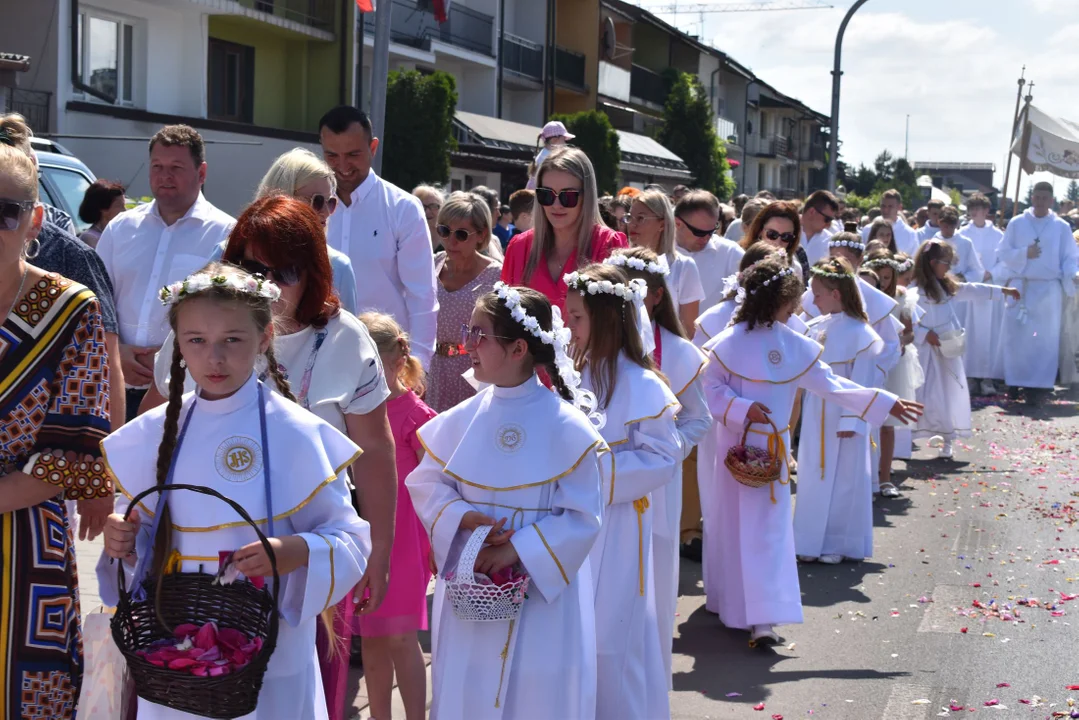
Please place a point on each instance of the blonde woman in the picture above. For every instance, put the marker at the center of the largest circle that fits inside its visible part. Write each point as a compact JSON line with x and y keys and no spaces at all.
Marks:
{"x":568,"y":234}
{"x":651,"y":225}
{"x":432,"y":199}
{"x":301,"y":174}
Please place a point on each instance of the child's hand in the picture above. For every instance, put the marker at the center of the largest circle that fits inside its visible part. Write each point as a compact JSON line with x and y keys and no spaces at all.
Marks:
{"x":93,"y":514}
{"x":494,"y":559}
{"x":932,"y":338}
{"x":120,"y":535}
{"x":290,"y":551}
{"x":1011,"y":292}
{"x":472,"y":520}
{"x":845,"y":434}
{"x":758,"y":413}
{"x":907,"y":410}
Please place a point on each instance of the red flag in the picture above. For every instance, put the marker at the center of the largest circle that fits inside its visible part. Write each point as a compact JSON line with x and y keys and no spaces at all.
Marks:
{"x":365,"y":5}
{"x":441,"y":10}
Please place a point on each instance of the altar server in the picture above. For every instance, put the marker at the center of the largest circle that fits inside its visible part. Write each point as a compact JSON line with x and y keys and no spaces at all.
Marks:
{"x":833,"y":518}
{"x":682,"y":364}
{"x":755,"y":369}
{"x":984,"y":358}
{"x":227,"y":435}
{"x":612,"y":340}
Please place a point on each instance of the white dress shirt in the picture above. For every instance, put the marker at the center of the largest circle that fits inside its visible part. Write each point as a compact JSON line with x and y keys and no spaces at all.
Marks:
{"x":384,"y":233}
{"x":906,"y":239}
{"x":715,"y":261}
{"x":142,"y":254}
{"x":816,"y":247}
{"x":735,"y":231}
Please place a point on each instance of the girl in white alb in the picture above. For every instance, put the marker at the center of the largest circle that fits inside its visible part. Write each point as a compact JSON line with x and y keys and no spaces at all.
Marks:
{"x":603,"y":309}
{"x":755,"y":369}
{"x":984,"y":321}
{"x":833,"y":518}
{"x":281,"y":463}
{"x":682,"y":363}
{"x":527,"y":456}
{"x":945,"y":393}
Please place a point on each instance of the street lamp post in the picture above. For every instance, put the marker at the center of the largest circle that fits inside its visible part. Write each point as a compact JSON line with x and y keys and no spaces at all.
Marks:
{"x":837,"y":74}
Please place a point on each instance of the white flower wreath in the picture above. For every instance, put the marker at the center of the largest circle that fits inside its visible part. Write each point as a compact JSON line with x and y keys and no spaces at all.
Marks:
{"x":200,"y":281}
{"x":659,"y":267}
{"x":860,"y":247}
{"x":558,"y":337}
{"x":821,"y":272}
{"x":774,"y":279}
{"x":635,"y":290}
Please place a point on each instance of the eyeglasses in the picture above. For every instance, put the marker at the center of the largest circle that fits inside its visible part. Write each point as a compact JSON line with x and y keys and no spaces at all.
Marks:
{"x":697,"y":232}
{"x":459,"y":234}
{"x":827,"y":218}
{"x":473,"y":335}
{"x":432,"y":207}
{"x":320,"y":202}
{"x":641,"y":217}
{"x":11,"y":212}
{"x":545,"y":196}
{"x":774,"y":235}
{"x":286,"y":276}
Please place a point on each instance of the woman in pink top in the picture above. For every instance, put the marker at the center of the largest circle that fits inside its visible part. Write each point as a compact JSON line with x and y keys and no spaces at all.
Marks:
{"x":568,"y":235}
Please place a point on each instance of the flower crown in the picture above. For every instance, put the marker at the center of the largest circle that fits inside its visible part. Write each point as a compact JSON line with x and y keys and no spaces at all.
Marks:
{"x":193,"y":284}
{"x":859,"y":246}
{"x":775,"y":278}
{"x":658,"y":267}
{"x":821,"y":272}
{"x":558,"y":337}
{"x":635,"y":290}
{"x":899,"y":267}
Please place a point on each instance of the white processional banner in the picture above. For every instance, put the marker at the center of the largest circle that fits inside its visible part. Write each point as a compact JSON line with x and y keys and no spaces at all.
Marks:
{"x":1052,"y":143}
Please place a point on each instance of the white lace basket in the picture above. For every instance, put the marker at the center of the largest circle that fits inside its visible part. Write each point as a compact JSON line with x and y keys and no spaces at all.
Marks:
{"x":953,"y":343}
{"x":479,"y":602}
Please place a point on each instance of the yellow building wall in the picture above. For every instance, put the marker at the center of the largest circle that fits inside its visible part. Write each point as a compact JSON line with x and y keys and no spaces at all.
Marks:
{"x":577,"y":29}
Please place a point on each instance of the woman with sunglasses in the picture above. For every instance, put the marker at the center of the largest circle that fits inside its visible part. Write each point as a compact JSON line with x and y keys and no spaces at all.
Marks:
{"x":568,"y":234}
{"x":333,"y":368}
{"x":432,"y":199}
{"x":464,"y":275}
{"x":780,"y":225}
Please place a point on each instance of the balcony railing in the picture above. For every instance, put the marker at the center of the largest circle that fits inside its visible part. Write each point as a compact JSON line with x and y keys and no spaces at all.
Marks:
{"x":31,"y":104}
{"x":727,"y":129}
{"x":522,"y":56}
{"x":464,"y":28}
{"x":647,"y":86}
{"x":318,"y":14}
{"x":569,"y":68}
{"x":814,"y":152}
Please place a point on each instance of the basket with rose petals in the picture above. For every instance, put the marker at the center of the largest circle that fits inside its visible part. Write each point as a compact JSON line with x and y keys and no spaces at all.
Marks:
{"x":753,"y":466}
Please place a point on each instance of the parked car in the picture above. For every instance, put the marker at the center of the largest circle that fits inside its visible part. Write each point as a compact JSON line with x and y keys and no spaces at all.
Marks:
{"x":62,"y":178}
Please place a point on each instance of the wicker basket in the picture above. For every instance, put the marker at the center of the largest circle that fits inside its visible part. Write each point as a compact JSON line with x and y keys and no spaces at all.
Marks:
{"x":192,"y":598}
{"x":480,"y":602}
{"x":753,"y":477}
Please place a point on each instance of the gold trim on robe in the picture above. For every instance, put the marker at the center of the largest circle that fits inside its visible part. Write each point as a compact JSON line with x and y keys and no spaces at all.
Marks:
{"x":458,"y":478}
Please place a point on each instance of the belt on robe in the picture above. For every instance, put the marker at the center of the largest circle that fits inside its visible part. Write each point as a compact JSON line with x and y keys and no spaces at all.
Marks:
{"x":448,"y":349}
{"x":640,"y":505}
{"x":776,"y":445}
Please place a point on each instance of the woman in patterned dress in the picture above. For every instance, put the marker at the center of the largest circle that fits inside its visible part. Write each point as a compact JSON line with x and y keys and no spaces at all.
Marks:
{"x":464,"y":275}
{"x":54,"y":411}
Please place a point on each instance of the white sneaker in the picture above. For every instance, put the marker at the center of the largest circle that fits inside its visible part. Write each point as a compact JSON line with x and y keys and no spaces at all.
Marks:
{"x":946,"y":450}
{"x":988,"y":388}
{"x":831,"y":559}
{"x":763,"y":635}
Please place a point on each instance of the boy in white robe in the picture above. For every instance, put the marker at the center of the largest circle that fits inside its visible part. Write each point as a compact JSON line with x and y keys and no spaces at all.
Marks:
{"x":984,"y":321}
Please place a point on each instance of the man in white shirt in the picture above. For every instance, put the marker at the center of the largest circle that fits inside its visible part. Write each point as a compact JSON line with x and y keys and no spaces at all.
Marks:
{"x":931,"y":227}
{"x":1041,"y":259}
{"x":906,"y":239}
{"x":819,"y":214}
{"x":696,"y":219}
{"x":155,"y":244}
{"x":382,"y":229}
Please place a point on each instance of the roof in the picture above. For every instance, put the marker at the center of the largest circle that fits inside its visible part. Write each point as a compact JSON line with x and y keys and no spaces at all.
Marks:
{"x":933,"y":165}
{"x":11,"y":61}
{"x":635,"y":144}
{"x":496,"y":132}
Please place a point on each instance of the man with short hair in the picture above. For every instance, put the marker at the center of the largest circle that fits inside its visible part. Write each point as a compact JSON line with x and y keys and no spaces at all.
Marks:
{"x":906,"y":239}
{"x":678,"y":193}
{"x":819,"y":213}
{"x":1040,"y":258}
{"x":382,"y":229}
{"x":158,"y":243}
{"x":930,"y":227}
{"x":696,"y":220}
{"x":749,"y":211}
{"x":522,"y":202}
{"x":983,"y":358}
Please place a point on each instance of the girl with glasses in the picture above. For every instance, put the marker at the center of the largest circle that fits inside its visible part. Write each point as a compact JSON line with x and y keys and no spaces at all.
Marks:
{"x":464,"y":274}
{"x":568,"y":233}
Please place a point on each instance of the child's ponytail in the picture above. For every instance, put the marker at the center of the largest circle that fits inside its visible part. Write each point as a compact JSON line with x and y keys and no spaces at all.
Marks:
{"x":389,"y":340}
{"x":162,"y":540}
{"x":274,"y":371}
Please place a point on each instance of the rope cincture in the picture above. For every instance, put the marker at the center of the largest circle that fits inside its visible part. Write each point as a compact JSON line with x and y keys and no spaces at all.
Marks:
{"x":775,"y":443}
{"x":640,"y":505}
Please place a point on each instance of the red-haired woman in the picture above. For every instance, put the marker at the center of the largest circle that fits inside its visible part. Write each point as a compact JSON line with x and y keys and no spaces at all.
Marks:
{"x":333,"y":367}
{"x":780,"y":225}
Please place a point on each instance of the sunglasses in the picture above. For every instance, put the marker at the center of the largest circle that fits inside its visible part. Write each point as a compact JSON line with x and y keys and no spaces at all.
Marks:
{"x":320,"y":202}
{"x":568,"y":198}
{"x":774,"y":235}
{"x":697,"y":232}
{"x":459,"y":235}
{"x":474,"y":335}
{"x":285,"y":277}
{"x":11,"y":212}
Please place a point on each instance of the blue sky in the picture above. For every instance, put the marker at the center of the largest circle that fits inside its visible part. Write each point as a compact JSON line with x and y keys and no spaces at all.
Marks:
{"x":952,"y":65}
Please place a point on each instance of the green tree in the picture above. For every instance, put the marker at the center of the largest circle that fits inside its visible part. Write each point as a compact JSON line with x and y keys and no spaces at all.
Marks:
{"x":418,"y":139}
{"x":689,"y":131}
{"x":884,"y":166}
{"x":1073,"y":191}
{"x":904,"y":173}
{"x":957,"y":197}
{"x":599,"y":141}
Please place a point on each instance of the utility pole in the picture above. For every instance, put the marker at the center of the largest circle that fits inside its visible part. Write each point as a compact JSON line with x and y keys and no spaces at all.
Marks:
{"x":837,"y":74}
{"x":380,"y":70}
{"x":906,"y":142}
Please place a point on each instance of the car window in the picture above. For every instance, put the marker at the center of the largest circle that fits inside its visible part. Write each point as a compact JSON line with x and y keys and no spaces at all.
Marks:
{"x":43,"y":193}
{"x":72,"y":186}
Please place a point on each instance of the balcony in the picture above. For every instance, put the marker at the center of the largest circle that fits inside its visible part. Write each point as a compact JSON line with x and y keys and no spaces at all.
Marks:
{"x":318,"y":14}
{"x":569,"y":69}
{"x":31,"y":104}
{"x":647,"y":87}
{"x":464,"y":28}
{"x":522,"y":57}
{"x":814,"y":152}
{"x":727,"y":130}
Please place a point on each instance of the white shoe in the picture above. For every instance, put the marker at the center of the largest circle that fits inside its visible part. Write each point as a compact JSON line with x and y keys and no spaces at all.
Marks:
{"x":763,"y":635}
{"x":936,"y":441}
{"x":988,"y":388}
{"x":946,"y":450}
{"x":831,"y":559}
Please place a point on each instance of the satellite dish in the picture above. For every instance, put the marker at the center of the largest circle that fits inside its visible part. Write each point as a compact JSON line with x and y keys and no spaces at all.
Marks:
{"x":608,"y":40}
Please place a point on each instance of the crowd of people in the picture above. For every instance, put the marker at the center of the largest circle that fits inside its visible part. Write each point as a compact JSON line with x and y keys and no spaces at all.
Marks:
{"x":540,"y":407}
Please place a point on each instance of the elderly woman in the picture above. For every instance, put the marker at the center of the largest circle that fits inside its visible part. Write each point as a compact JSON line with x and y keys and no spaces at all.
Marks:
{"x":56,"y":397}
{"x":432,"y":199}
{"x":464,"y":274}
{"x":301,"y":174}
{"x":102,"y":202}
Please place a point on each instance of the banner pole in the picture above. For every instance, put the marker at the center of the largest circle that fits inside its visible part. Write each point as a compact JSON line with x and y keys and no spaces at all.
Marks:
{"x":1011,"y":139}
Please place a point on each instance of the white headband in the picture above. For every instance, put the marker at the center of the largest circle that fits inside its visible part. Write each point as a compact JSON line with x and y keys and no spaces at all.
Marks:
{"x":860,"y":247}
{"x":659,"y":267}
{"x":193,"y":284}
{"x":558,"y":337}
{"x":775,"y":278}
{"x":633,"y":292}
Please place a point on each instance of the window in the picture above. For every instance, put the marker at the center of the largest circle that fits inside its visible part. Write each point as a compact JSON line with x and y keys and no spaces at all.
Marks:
{"x":71,"y":186}
{"x":231,"y":81}
{"x":106,"y":60}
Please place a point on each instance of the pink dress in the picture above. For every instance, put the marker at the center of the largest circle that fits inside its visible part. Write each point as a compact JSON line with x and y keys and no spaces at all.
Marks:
{"x":404,"y":608}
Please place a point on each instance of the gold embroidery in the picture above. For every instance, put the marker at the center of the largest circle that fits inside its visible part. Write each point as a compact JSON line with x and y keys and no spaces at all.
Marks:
{"x":728,"y":409}
{"x":640,"y":505}
{"x":553,"y":556}
{"x":662,"y":410}
{"x":770,"y":382}
{"x":329,"y":595}
{"x":844,"y":362}
{"x":693,"y":379}
{"x":875,"y":394}
{"x":611,"y":501}
{"x":504,"y":654}
{"x":439,"y":515}
{"x":616,"y":443}
{"x":458,"y":478}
